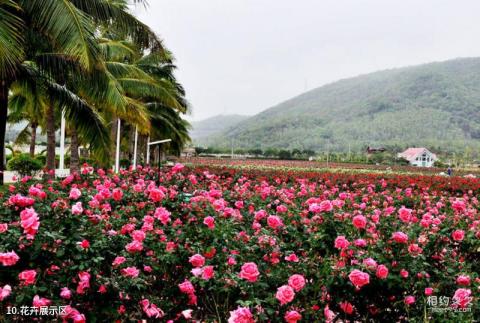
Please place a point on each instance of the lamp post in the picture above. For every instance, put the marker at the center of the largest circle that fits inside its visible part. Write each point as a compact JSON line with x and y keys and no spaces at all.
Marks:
{"x":159,"y":142}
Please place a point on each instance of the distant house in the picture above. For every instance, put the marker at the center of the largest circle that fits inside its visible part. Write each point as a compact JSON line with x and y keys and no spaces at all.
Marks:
{"x":189,"y":152}
{"x":421,"y":157}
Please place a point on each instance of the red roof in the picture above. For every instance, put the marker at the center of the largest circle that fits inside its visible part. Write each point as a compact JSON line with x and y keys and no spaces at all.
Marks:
{"x":411,"y":153}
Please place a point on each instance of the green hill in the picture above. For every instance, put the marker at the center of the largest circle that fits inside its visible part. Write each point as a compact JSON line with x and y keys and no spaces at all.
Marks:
{"x":214,"y":125}
{"x":435,"y":105}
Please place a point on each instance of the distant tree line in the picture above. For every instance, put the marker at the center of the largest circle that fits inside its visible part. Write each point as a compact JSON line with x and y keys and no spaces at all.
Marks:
{"x":389,"y":157}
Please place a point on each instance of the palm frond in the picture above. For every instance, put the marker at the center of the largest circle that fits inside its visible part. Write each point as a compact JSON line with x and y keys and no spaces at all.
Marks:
{"x":116,"y":15}
{"x":89,"y":124}
{"x":24,"y":136}
{"x":11,"y":38}
{"x":118,"y":50}
{"x":71,"y":29}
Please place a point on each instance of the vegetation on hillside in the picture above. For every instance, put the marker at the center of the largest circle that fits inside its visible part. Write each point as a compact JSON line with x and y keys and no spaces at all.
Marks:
{"x":434,"y":105}
{"x":203,"y":129}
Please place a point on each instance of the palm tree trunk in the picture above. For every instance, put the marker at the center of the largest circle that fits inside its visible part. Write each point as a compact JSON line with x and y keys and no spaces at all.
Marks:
{"x":74,"y":157}
{"x":3,"y":124}
{"x":33,"y":139}
{"x":51,"y":137}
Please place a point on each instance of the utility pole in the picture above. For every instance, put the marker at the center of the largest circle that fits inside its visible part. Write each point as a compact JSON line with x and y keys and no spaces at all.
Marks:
{"x":62,"y":142}
{"x":328,"y":153}
{"x":135,"y":148}
{"x":117,"y":148}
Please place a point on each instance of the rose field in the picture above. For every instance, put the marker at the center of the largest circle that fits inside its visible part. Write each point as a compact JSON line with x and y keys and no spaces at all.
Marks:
{"x":221,"y":244}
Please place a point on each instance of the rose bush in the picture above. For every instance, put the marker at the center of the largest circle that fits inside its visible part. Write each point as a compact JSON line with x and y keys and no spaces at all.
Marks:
{"x":243,"y":246}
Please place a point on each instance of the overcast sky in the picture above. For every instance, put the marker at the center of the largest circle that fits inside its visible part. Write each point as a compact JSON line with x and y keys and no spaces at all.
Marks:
{"x":244,"y":56}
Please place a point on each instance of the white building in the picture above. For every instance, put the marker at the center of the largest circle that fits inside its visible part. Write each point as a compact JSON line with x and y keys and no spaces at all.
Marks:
{"x":421,"y":157}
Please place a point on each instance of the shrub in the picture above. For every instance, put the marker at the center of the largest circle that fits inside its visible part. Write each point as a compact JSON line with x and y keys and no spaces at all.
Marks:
{"x":264,"y":245}
{"x":24,"y":165}
{"x":42,"y":158}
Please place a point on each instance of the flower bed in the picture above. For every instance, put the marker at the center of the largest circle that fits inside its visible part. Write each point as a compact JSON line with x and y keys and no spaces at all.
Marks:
{"x":323,"y":166}
{"x":243,"y":246}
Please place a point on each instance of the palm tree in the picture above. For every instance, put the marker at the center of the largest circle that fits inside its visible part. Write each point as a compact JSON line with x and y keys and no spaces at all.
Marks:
{"x":67,"y":29}
{"x":27,"y":102}
{"x":153,"y":96}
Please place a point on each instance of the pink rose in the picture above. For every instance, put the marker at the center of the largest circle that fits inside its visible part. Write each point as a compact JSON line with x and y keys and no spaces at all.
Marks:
{"x":163,"y":215}
{"x":177,"y":168}
{"x":197,"y":260}
{"x":3,"y":227}
{"x":186,"y":287}
{"x":274,"y":222}
{"x":156,"y":195}
{"x":84,"y":282}
{"x":5,"y":292}
{"x":459,"y":205}
{"x":463,"y":280}
{"x":30,"y":222}
{"x":134,"y":246}
{"x":9,"y":258}
{"x":341,"y":242}
{"x":75,"y":194}
{"x":130,"y":272}
{"x":39,"y":301}
{"x":359,"y":221}
{"x":118,"y":261}
{"x":282,"y":209}
{"x":65,"y":293}
{"x":187,"y":314}
{"x":292,"y":317}
{"x":150,"y":309}
{"x":138,"y":235}
{"x":360,"y":243}
{"x":293,"y":258}
{"x":285,"y":294}
{"x":458,"y":235}
{"x":400,"y":237}
{"x":405,"y":214}
{"x":326,"y":206}
{"x":249,"y":271}
{"x":382,"y":272}
{"x":370,"y":263}
{"x":117,"y":194}
{"x":241,"y":315}
{"x":414,"y":249}
{"x":77,"y":208}
{"x":209,"y":222}
{"x":428,"y":291}
{"x":462,"y":298}
{"x":359,"y":278}
{"x":409,"y":300}
{"x":208,"y":272}
{"x":297,"y":282}
{"x":27,"y":277}
{"x":346,"y":307}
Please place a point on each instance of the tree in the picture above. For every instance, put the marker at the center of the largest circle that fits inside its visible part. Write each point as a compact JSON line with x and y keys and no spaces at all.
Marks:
{"x":68,"y":29}
{"x":27,"y":103}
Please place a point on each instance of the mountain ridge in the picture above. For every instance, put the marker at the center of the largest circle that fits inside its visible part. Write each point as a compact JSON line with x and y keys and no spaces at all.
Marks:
{"x":435,"y":104}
